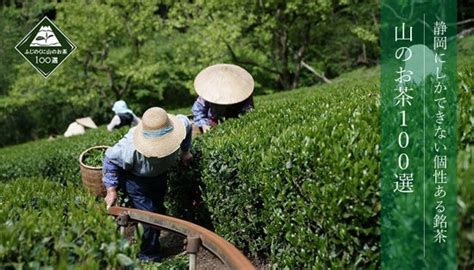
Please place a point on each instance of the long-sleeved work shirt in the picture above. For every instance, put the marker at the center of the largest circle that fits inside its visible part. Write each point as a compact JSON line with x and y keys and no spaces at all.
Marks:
{"x":122,"y":119}
{"x":124,"y":157}
{"x":206,"y":113}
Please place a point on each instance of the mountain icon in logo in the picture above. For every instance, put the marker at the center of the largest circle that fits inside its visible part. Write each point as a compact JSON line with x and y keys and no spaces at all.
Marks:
{"x":45,"y":38}
{"x":45,"y":47}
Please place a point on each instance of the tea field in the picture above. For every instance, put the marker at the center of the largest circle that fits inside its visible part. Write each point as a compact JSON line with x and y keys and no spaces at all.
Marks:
{"x":296,"y":183}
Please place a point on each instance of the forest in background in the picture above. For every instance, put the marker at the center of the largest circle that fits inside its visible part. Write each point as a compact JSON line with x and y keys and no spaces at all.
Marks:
{"x":148,"y":53}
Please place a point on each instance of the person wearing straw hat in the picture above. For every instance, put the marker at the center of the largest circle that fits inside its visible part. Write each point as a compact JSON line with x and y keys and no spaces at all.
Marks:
{"x":123,"y":116}
{"x":138,"y":163}
{"x":225,"y":91}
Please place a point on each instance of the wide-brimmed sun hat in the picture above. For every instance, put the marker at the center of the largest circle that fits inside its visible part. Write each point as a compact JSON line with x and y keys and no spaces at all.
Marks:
{"x":159,"y":134}
{"x":224,"y":84}
{"x":120,"y":106}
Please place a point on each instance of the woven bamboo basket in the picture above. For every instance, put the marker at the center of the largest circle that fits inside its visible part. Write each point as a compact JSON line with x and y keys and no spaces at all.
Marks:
{"x":92,"y":176}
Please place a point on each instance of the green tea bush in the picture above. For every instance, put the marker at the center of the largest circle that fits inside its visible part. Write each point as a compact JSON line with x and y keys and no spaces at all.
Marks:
{"x":466,"y":154}
{"x":56,"y":159}
{"x":47,"y":224}
{"x":466,"y":107}
{"x":298,"y":180}
{"x":184,"y":197}
{"x":466,"y":168}
{"x":29,"y":118}
{"x":94,"y":157}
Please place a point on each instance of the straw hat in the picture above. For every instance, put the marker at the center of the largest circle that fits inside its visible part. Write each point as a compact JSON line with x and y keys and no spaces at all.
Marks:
{"x":87,"y":122}
{"x":158,"y":134}
{"x":74,"y":129}
{"x":224,"y":84}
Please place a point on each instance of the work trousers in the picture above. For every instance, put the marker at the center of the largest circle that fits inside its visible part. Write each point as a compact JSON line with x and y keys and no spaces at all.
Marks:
{"x":146,"y":193}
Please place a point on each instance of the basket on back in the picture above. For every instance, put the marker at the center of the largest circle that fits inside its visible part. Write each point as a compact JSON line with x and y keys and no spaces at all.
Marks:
{"x":92,"y":176}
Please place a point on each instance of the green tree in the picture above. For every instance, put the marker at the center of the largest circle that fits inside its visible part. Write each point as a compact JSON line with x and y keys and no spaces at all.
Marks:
{"x":16,"y":18}
{"x":122,"y":53}
{"x":148,"y":52}
{"x":276,"y":39}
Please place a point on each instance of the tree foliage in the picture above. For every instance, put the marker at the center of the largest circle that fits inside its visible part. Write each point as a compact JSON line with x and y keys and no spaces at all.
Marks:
{"x":148,"y":52}
{"x":274,"y":38}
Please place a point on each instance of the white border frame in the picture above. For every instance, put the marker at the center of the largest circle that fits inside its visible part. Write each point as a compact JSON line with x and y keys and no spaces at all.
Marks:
{"x":74,"y":47}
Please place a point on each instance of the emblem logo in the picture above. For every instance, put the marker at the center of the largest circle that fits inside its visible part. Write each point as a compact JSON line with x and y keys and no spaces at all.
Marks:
{"x":45,"y":47}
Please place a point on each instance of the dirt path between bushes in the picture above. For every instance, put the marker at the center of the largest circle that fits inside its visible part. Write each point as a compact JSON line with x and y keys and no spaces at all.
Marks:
{"x":173,"y":245}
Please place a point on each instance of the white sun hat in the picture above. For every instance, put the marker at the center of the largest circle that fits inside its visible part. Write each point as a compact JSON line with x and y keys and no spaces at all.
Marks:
{"x":224,"y":84}
{"x":159,"y":134}
{"x":120,"y":106}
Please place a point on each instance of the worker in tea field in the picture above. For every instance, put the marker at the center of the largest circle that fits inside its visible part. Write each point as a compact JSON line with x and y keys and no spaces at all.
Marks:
{"x":138,"y":164}
{"x":123,"y":116}
{"x":225,"y":91}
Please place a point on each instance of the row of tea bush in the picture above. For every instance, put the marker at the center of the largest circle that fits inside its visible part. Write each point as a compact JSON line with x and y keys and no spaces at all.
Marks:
{"x":51,"y":225}
{"x":296,"y":181}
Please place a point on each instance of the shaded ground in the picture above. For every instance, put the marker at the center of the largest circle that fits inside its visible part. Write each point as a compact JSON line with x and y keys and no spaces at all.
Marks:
{"x":173,"y":246}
